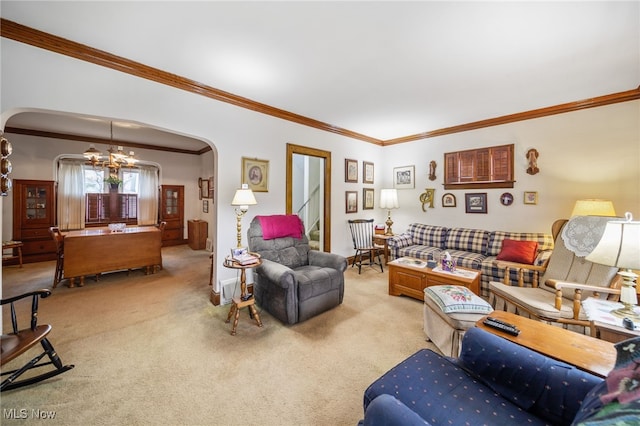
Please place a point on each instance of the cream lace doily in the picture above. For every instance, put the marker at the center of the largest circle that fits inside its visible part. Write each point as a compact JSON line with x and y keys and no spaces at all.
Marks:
{"x":582,"y":233}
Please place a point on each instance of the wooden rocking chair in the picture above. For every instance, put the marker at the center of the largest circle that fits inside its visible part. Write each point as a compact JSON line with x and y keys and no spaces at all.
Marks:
{"x":19,"y":341}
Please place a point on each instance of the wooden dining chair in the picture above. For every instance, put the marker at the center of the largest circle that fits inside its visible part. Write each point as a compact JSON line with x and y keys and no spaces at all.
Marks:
{"x":58,"y":238}
{"x":19,"y":341}
{"x":362,"y":236}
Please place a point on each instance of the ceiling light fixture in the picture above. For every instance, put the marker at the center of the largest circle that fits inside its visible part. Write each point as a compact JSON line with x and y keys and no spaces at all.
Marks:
{"x":116,"y":159}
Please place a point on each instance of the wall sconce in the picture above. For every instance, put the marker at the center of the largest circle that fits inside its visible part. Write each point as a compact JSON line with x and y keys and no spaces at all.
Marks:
{"x":243,"y":198}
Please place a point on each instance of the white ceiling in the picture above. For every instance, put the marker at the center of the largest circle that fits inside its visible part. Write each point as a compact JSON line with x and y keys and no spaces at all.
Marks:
{"x":383,"y":69}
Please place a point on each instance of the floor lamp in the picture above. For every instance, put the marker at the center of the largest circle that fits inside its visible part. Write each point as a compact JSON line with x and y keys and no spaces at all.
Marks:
{"x":243,"y":198}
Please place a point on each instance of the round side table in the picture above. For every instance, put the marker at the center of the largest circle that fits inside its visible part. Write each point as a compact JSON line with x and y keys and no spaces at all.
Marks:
{"x":245,"y":299}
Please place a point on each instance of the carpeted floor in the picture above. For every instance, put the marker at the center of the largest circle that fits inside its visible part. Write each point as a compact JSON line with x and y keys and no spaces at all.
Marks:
{"x":152,"y":350}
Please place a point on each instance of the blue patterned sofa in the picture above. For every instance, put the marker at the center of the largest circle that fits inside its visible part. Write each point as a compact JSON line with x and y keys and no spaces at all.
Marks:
{"x":472,"y":248}
{"x":493,"y":382}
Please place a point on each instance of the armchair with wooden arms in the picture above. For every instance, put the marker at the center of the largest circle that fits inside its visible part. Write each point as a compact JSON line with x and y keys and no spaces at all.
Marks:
{"x":20,"y":341}
{"x":565,"y":280}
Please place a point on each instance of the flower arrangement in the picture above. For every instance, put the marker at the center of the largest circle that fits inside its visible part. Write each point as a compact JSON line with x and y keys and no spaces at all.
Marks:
{"x":113,"y":180}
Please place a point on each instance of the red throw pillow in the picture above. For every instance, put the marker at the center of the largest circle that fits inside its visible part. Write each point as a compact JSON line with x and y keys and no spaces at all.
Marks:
{"x":518,"y":251}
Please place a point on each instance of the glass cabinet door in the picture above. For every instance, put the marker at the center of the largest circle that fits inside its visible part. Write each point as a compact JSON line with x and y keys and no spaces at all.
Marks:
{"x":36,"y":204}
{"x":171,"y":203}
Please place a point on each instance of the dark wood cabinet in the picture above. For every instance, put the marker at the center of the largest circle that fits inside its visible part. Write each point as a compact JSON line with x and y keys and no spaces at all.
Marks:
{"x":479,"y":168}
{"x":33,"y":214}
{"x":172,"y":212}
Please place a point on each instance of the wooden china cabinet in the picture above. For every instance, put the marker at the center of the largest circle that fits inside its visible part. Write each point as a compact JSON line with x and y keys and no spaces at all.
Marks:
{"x":33,"y":214}
{"x":172,"y":212}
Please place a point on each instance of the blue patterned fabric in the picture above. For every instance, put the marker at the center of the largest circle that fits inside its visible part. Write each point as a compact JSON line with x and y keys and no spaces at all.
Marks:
{"x":428,"y":235}
{"x":551,"y":389}
{"x":494,"y":382}
{"x":472,"y":248}
{"x":467,"y":239}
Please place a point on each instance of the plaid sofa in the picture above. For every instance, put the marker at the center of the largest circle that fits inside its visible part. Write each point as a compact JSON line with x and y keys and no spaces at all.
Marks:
{"x":471,"y":248}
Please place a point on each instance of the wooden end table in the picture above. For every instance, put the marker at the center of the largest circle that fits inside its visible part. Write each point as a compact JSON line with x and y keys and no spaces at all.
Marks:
{"x":12,"y":245}
{"x":586,"y":353}
{"x":244,"y":300}
{"x":411,"y":280}
{"x":383,"y":240}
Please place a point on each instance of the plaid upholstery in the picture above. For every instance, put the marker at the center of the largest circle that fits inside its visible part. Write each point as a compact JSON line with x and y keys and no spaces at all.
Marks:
{"x":467,"y":259}
{"x":471,"y":248}
{"x":466,"y":239}
{"x":398,"y":242}
{"x":545,"y":241}
{"x":428,"y":235}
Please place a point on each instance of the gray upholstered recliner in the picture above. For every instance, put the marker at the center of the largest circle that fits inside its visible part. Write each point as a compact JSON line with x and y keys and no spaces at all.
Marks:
{"x":295,"y":283}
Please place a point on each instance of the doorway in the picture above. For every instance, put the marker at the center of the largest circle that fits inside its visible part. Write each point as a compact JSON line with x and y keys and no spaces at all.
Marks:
{"x":309,"y":191}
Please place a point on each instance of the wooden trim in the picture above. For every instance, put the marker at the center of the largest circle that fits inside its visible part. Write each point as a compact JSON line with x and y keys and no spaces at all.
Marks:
{"x":91,"y":139}
{"x":43,"y":40}
{"x":628,"y":95}
{"x":326,"y":156}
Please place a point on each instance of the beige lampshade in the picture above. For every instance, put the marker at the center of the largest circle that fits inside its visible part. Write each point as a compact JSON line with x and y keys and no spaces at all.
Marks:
{"x":389,"y":199}
{"x":593,"y":207}
{"x":244,"y":197}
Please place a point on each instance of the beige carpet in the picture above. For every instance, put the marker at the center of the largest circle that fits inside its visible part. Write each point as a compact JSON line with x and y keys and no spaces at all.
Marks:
{"x":153,"y":350}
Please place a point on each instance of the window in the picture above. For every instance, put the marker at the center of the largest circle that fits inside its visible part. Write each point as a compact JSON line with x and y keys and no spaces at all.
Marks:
{"x":93,"y":180}
{"x":479,"y":168}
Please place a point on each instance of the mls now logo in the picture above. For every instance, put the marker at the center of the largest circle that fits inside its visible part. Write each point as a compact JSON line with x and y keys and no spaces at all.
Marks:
{"x":23,"y":413}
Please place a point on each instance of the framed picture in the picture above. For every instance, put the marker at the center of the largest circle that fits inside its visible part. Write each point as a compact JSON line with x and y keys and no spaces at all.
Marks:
{"x":367,"y":198}
{"x":476,"y":203}
{"x":448,"y":200}
{"x":255,"y":173}
{"x":204,"y":188}
{"x":211,"y":187}
{"x":351,"y":201}
{"x":404,"y":177}
{"x":506,"y":199}
{"x":350,"y":170}
{"x":205,"y":206}
{"x":367,"y":172}
{"x":530,"y":197}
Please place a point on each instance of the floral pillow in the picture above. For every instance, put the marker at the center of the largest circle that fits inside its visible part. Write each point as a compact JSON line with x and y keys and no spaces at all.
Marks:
{"x":454,"y":298}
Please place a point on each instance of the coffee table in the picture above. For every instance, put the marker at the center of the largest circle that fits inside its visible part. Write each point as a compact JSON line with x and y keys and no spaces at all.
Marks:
{"x":408,"y":276}
{"x":586,"y":353}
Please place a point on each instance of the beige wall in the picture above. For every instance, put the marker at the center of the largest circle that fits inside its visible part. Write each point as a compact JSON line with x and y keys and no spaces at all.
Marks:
{"x":591,"y":153}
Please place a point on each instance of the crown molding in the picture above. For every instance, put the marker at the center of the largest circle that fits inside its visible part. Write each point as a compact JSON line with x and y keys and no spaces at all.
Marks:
{"x":43,"y":40}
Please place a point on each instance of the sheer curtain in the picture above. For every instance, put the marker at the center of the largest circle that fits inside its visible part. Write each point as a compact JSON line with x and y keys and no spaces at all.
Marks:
{"x":70,"y":195}
{"x":148,"y":195}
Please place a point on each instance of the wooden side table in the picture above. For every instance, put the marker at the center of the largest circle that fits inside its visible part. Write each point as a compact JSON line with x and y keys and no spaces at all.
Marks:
{"x":244,"y":300}
{"x":586,"y":353}
{"x":13,"y":246}
{"x":383,"y":240}
{"x":612,"y":333}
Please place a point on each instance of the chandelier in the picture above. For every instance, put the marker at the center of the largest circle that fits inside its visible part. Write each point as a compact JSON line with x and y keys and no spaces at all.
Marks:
{"x":115,"y":158}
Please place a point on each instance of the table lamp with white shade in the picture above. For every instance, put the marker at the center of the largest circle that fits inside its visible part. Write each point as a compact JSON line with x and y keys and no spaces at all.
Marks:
{"x":243,"y":198}
{"x":620,"y":247}
{"x":389,"y":200}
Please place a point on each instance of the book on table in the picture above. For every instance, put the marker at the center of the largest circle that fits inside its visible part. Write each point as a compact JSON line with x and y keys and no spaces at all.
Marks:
{"x":242,"y":256}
